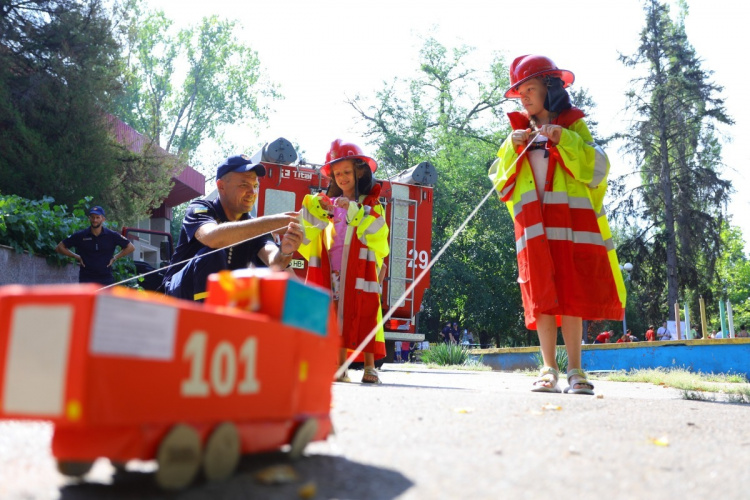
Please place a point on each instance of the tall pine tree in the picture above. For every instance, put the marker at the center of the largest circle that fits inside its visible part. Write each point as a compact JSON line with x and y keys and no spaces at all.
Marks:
{"x":680,"y":193}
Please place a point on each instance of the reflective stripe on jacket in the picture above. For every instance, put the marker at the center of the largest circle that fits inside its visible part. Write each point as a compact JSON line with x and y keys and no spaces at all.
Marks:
{"x":365,"y":247}
{"x":567,"y":264}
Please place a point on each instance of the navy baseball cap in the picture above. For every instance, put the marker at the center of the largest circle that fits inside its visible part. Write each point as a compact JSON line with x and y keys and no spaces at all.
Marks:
{"x":97,"y":210}
{"x":239,"y":163}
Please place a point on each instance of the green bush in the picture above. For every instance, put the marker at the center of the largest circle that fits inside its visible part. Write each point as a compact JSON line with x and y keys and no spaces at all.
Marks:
{"x":446,"y":354}
{"x":37,"y":226}
{"x":561,"y":356}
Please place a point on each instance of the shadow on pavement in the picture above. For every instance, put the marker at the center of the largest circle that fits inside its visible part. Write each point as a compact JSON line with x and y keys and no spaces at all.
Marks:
{"x":332,"y":476}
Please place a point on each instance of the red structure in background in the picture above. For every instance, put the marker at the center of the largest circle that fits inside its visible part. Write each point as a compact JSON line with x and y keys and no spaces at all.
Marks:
{"x":188,"y":182}
{"x":408,"y":202}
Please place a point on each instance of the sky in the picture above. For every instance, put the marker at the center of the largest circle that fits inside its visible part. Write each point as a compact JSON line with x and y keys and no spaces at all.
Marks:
{"x":322,"y":52}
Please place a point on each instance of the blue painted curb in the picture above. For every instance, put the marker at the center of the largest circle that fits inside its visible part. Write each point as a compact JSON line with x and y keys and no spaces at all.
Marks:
{"x":706,"y":356}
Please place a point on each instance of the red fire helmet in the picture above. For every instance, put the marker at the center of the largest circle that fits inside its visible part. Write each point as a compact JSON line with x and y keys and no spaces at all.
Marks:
{"x":530,"y":66}
{"x":345,"y":151}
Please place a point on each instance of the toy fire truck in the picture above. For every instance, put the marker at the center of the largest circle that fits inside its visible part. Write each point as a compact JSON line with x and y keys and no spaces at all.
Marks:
{"x":408,"y":203}
{"x":127,"y":374}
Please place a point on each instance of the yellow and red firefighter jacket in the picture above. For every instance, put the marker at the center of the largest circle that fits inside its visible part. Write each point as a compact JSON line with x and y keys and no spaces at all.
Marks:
{"x":567,"y":264}
{"x":365,"y":247}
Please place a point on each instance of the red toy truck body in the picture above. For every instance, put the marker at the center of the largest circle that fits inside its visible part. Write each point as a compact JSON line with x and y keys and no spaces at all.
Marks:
{"x":136,"y":375}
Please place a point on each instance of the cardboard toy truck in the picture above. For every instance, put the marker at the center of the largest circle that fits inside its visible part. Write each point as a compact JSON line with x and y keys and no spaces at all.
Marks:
{"x":129,"y":375}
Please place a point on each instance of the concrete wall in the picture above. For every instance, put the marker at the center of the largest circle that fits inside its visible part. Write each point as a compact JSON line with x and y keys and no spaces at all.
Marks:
{"x":509,"y":358}
{"x":25,"y":269}
{"x":706,"y":356}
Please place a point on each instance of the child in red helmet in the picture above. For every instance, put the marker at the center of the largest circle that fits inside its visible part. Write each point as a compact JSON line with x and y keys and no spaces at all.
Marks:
{"x":346,"y":240}
{"x":552,"y":176}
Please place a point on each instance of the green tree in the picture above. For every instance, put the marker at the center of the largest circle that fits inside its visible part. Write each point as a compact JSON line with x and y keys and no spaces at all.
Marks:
{"x":733,"y":269}
{"x":58,"y":68}
{"x":59,"y":71}
{"x":182,"y":87}
{"x":677,"y":203}
{"x":451,"y":115}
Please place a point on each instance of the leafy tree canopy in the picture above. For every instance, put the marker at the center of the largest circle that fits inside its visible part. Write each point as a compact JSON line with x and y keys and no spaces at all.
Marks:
{"x":672,"y":217}
{"x":182,"y":86}
{"x":59,"y":71}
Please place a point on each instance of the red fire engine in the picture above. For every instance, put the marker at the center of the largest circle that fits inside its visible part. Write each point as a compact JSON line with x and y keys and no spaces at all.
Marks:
{"x":408,"y":203}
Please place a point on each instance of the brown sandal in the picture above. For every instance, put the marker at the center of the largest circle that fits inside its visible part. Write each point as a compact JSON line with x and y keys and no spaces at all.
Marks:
{"x":371,"y":376}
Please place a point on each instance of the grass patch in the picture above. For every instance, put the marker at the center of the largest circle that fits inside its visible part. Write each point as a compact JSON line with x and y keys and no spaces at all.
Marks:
{"x":676,"y":377}
{"x":694,"y":386}
{"x":471,"y":366}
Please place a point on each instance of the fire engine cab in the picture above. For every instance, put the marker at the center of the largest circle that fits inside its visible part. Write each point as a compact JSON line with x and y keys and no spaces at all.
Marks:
{"x":407,"y":199}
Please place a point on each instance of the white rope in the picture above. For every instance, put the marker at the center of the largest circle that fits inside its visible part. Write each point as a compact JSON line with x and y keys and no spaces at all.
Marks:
{"x":188,"y":260}
{"x":356,"y":352}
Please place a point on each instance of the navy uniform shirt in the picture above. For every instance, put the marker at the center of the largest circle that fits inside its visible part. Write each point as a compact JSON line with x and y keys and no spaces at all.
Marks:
{"x":200,"y":212}
{"x":96,"y":252}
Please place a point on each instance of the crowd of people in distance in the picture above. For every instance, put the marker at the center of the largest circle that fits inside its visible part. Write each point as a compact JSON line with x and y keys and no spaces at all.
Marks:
{"x":405,"y":352}
{"x":452,"y":334}
{"x":661,"y":334}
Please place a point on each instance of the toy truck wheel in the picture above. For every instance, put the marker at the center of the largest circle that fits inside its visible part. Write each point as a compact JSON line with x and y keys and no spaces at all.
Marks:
{"x":302,"y":437}
{"x":222,"y":452}
{"x":73,"y":469}
{"x":179,"y":458}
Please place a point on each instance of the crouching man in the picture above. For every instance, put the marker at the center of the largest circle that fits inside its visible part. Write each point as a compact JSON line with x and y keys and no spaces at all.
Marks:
{"x":221,"y":234}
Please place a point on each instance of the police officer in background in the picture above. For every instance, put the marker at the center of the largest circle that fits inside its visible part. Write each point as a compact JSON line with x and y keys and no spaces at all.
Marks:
{"x":95,"y":247}
{"x":221,"y":234}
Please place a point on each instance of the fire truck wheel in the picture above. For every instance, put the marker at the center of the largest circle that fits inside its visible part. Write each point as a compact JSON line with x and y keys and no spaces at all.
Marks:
{"x":179,"y":457}
{"x":222,"y":452}
{"x":73,"y":469}
{"x":302,"y":437}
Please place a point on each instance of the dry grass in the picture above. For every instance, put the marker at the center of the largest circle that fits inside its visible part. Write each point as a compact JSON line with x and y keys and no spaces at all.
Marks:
{"x":734,"y":388}
{"x":695,"y":386}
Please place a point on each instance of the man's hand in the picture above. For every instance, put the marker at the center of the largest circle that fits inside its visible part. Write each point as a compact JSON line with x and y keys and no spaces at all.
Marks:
{"x":293,"y":217}
{"x":63,"y":250}
{"x":292,"y":239}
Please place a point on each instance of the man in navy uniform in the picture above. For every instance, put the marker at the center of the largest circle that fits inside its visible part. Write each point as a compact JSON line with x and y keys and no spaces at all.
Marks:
{"x":221,"y":234}
{"x":95,"y":249}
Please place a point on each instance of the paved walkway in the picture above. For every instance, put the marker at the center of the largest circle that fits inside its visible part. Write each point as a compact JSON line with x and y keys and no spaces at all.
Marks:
{"x":434,"y":434}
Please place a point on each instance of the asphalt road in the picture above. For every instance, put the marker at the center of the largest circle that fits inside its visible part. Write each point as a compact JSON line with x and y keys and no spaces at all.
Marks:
{"x":442,"y":434}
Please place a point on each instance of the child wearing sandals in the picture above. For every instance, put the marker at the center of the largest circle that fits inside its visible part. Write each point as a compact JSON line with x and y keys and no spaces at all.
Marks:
{"x":553,"y":177}
{"x":346,"y":240}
